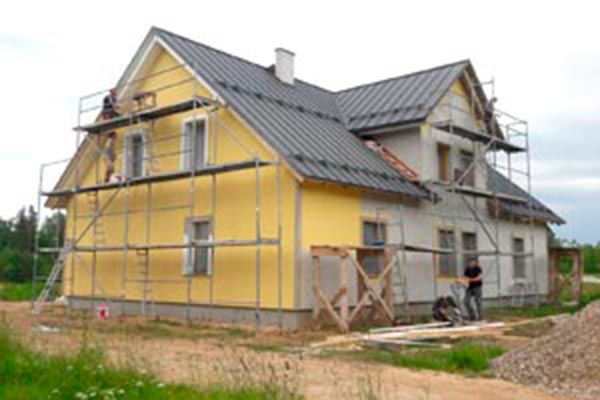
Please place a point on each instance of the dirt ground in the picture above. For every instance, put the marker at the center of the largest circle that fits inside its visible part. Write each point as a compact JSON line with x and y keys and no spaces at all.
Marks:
{"x":203,"y":353}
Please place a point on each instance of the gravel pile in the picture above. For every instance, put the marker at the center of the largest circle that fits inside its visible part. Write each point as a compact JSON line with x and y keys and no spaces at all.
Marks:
{"x":565,"y":361}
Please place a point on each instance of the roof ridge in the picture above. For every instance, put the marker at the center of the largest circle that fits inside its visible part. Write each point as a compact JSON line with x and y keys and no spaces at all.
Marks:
{"x":225,"y":53}
{"x":208,"y":47}
{"x":422,"y":71}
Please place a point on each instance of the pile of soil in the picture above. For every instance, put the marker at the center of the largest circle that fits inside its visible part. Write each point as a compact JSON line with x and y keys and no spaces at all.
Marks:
{"x":565,"y":361}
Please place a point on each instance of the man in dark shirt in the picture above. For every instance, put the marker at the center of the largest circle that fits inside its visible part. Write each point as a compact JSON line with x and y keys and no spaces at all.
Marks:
{"x":474,"y":290}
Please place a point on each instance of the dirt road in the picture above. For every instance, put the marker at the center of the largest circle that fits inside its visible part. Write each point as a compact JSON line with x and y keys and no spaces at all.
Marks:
{"x":205,"y":360}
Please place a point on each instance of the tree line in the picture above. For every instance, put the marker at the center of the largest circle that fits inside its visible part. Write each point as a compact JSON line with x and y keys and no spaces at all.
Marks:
{"x":17,"y":243}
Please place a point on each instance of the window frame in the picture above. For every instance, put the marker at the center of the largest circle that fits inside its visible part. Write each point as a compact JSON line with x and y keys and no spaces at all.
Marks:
{"x":187,"y":163}
{"x":468,"y":257}
{"x":438,"y":259}
{"x":520,"y":257}
{"x":189,"y":267}
{"x":470,"y":178}
{"x":444,"y":170}
{"x":127,"y":167}
{"x":383,"y":222}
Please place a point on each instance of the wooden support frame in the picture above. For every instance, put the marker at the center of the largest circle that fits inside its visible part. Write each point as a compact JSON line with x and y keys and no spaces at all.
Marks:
{"x":374,"y":289}
{"x":574,"y":279}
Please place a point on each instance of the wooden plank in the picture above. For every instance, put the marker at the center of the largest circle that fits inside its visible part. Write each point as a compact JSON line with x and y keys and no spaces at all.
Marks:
{"x":344,"y":287}
{"x":397,"y":342}
{"x":372,"y":291}
{"x":459,"y":331}
{"x":391,"y":259}
{"x":316,"y":266}
{"x":331,"y":251}
{"x":338,"y":296}
{"x":343,"y":325}
{"x":410,"y":327}
{"x":359,"y":306}
{"x":577,"y":276}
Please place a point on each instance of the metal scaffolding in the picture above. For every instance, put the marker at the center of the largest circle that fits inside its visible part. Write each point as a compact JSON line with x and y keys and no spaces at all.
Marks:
{"x":99,"y":195}
{"x":504,"y":134}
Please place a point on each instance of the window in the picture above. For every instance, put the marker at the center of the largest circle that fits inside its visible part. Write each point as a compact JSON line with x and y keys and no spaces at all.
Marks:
{"x":519,"y":258}
{"x":466,"y":161}
{"x":447,"y":262}
{"x":373,"y":234}
{"x":443,"y":152}
{"x":469,"y":243}
{"x":134,"y":154}
{"x":194,"y":144}
{"x":198,"y":260}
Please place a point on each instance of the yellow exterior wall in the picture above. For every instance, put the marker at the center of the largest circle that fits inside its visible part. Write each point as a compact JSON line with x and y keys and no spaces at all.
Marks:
{"x":459,"y":89}
{"x":331,"y":215}
{"x":233,"y":279}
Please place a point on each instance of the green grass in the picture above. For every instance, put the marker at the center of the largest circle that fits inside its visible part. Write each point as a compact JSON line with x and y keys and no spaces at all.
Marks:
{"x":590,"y":293}
{"x":25,"y":374}
{"x":172,"y":329}
{"x":466,"y":357}
{"x":11,"y":291}
{"x":266,"y":347}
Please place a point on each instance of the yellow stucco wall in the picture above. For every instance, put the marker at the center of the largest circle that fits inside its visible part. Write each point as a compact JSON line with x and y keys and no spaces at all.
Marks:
{"x":233,"y":278}
{"x":331,"y":215}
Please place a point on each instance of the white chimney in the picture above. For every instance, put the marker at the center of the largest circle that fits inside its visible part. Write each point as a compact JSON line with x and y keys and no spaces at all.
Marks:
{"x":284,"y":65}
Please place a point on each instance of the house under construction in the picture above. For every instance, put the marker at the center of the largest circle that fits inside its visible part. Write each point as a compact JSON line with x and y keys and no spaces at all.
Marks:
{"x":241,"y":193}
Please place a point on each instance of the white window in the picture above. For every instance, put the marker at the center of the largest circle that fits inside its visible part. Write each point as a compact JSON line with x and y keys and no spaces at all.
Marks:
{"x":469,"y":242}
{"x":194,"y":144}
{"x":447,"y":265}
{"x":135,"y":153}
{"x":519,"y":258}
{"x":198,"y":260}
{"x":373,"y":235}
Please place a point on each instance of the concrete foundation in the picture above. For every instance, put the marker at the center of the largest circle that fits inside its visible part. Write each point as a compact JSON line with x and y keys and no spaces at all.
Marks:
{"x":291,"y":319}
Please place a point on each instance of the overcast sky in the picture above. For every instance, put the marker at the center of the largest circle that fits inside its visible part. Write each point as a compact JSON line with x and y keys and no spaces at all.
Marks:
{"x":545,"y":59}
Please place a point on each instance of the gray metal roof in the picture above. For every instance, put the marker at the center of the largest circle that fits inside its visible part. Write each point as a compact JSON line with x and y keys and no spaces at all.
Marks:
{"x":501,"y":184}
{"x":399,"y":100}
{"x":312,"y":127}
{"x":302,"y":122}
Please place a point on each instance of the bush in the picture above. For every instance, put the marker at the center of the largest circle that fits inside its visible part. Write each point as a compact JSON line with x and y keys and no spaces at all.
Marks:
{"x":10,"y":291}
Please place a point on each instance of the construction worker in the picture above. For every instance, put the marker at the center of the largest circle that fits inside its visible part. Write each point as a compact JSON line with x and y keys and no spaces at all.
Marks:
{"x":110,"y":108}
{"x":490,"y":109}
{"x":109,"y":156}
{"x":473,"y":278}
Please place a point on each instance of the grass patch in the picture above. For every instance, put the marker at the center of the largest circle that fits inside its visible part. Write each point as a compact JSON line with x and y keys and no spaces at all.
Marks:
{"x":168,"y":328}
{"x":265,"y":347}
{"x":11,"y":291}
{"x":465,"y":358}
{"x":533,"y":329}
{"x":25,"y":374}
{"x":590,"y":293}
